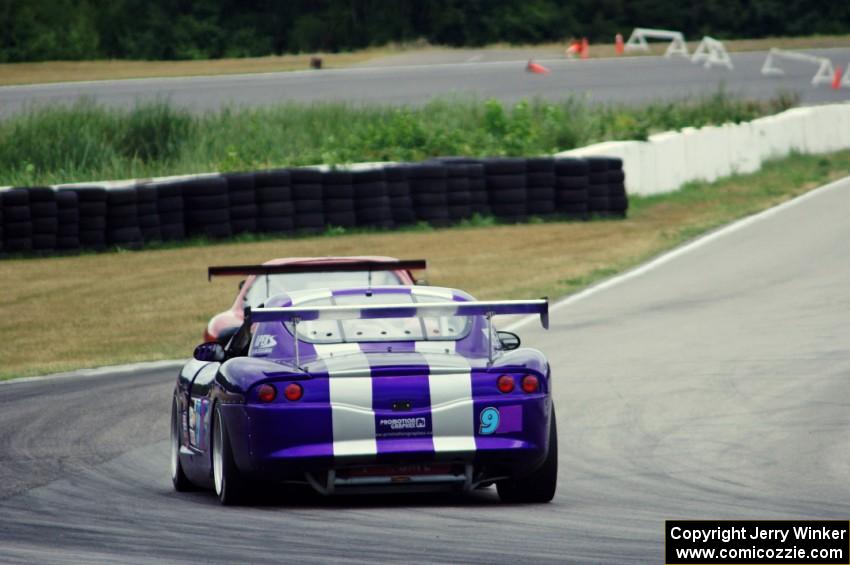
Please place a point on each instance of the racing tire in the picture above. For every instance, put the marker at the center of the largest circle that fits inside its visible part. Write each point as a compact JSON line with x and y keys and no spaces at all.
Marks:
{"x":178,"y":477}
{"x":228,"y":485}
{"x":540,"y":485}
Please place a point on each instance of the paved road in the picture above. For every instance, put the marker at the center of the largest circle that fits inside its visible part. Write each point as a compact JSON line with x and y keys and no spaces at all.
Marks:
{"x":715,"y":385}
{"x":632,"y":80}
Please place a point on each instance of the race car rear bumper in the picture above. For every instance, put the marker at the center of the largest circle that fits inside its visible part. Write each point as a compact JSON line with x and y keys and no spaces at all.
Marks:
{"x":289,"y":442}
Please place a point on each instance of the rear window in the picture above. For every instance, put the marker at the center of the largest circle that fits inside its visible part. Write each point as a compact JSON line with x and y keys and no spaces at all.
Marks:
{"x":265,"y":286}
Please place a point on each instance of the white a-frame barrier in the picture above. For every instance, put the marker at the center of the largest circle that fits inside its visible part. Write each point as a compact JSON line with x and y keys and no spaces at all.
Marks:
{"x":637,"y":41}
{"x":712,"y":52}
{"x":824,"y":74}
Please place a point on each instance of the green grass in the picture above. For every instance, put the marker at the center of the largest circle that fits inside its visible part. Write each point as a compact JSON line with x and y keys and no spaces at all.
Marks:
{"x":89,"y":142}
{"x":64,"y":313}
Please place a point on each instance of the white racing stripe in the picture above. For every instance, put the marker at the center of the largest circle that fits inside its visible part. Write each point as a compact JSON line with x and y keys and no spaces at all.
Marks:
{"x":451,"y":406}
{"x":445,"y":347}
{"x":352,"y":415}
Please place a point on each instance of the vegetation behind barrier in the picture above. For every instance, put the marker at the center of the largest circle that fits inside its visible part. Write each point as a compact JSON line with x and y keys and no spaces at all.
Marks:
{"x":38,"y":30}
{"x":88,"y":142}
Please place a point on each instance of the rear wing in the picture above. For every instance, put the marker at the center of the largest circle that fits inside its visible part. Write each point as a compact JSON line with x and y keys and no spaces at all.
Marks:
{"x":296,"y":314}
{"x":414,"y":310}
{"x":233,"y":270}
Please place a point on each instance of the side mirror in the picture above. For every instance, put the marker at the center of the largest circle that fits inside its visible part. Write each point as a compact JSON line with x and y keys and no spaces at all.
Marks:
{"x":209,"y":351}
{"x":509,"y":340}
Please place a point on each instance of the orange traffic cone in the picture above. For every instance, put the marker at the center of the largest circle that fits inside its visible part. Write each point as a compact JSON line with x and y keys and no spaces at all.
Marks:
{"x":619,"y":46}
{"x":585,"y":48}
{"x":536,"y":68}
{"x":574,"y":48}
{"x":836,"y":78}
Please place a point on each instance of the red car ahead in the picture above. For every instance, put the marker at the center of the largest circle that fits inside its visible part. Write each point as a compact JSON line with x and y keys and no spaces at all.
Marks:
{"x":300,"y":273}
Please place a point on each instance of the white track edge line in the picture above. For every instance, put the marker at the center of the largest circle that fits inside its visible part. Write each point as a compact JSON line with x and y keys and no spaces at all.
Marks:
{"x":680,"y":250}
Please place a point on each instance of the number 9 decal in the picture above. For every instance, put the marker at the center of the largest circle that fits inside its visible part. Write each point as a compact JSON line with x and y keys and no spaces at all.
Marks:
{"x":489,"y":421}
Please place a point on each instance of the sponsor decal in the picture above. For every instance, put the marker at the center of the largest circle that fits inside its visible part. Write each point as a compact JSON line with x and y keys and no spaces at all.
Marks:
{"x":410,"y":426}
{"x":197,"y":420}
{"x":264,"y":343}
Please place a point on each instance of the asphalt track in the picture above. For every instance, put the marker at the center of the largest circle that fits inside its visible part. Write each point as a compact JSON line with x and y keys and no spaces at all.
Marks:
{"x":713,"y":383}
{"x":486,"y":75}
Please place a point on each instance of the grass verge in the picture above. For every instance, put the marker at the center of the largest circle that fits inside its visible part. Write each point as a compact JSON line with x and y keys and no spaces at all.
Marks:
{"x":65,"y":71}
{"x":64,"y":313}
{"x":87,"y":141}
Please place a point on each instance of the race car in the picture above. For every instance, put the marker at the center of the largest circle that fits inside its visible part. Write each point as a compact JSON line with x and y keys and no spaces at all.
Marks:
{"x":376,"y":389}
{"x":298,"y":273}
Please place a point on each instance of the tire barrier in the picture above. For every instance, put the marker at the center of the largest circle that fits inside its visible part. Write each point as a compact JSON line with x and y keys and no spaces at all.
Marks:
{"x":17,"y":221}
{"x":122,"y":218}
{"x":441,"y":192}
{"x":540,"y":182}
{"x":429,"y":192}
{"x":242,"y":190}
{"x":371,"y":199}
{"x":169,"y":204}
{"x":572,"y":178}
{"x":597,"y":188}
{"x":507,"y":188}
{"x":458,"y":194}
{"x":206,"y":207}
{"x":148,"y":212}
{"x":309,"y":214}
{"x":338,"y":198}
{"x":275,"y":210}
{"x":398,"y":190}
{"x":45,"y":224}
{"x":92,"y":207}
{"x":68,"y":216}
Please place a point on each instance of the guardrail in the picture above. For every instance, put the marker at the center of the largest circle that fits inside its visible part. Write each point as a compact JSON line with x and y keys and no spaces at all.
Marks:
{"x":441,"y":192}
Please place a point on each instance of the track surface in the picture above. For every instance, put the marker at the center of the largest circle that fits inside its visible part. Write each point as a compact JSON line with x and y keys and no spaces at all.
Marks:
{"x":497,"y":75}
{"x":715,"y":385}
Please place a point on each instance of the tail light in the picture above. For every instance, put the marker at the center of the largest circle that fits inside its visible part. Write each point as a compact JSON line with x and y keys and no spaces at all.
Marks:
{"x":530,"y":384}
{"x":266,"y":393}
{"x":293,"y":391}
{"x":505,"y":383}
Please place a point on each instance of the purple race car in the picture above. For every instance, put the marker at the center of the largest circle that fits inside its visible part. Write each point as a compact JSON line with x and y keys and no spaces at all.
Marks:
{"x":369,"y":390}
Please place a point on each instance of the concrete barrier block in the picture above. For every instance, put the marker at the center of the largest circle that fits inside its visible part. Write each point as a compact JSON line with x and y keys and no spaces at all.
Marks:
{"x":794,"y":124}
{"x":744,"y":156}
{"x":670,"y":166}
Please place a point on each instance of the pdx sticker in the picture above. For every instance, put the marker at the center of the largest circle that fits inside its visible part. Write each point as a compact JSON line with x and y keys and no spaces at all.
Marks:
{"x":264,"y":343}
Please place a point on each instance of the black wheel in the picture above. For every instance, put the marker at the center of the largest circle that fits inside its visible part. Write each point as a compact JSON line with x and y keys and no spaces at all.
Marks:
{"x":178,"y":477}
{"x":229,"y":486}
{"x":540,"y":485}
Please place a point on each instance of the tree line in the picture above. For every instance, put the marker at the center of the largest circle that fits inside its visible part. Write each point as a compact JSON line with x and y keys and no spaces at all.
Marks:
{"x":38,"y":30}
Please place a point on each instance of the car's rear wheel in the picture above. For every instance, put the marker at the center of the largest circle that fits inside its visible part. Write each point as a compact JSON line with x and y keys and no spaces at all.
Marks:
{"x":228,"y":484}
{"x":540,"y":485}
{"x":178,"y":477}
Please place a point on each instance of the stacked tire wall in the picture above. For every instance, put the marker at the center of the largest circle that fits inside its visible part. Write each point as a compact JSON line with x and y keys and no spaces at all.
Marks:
{"x":441,"y":192}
